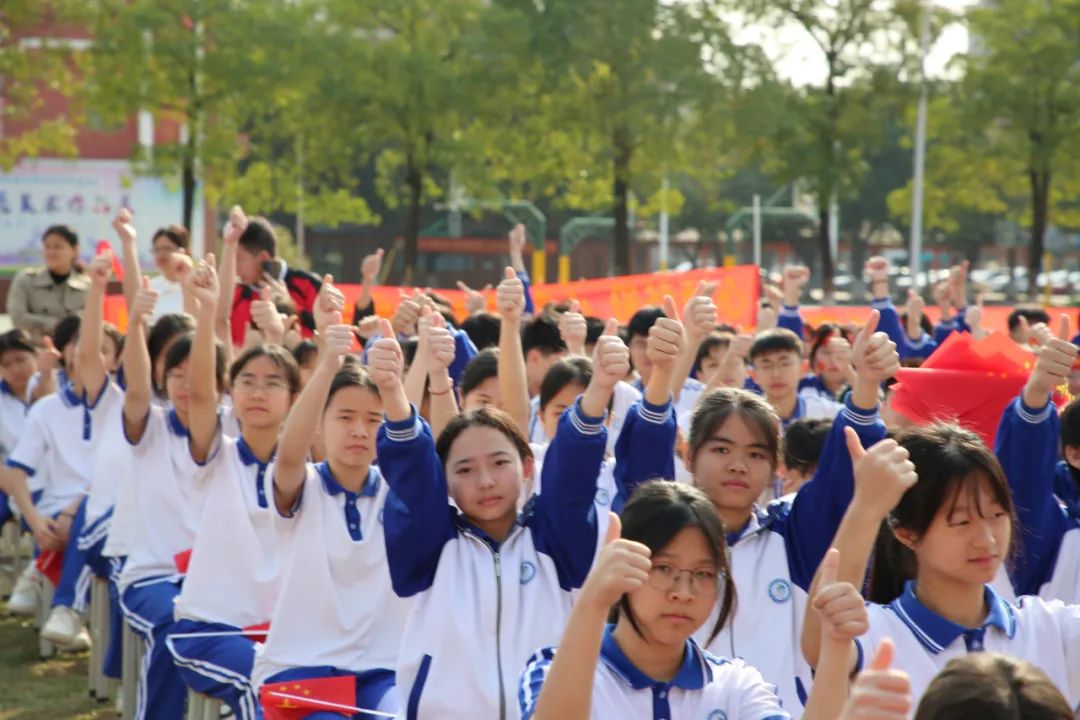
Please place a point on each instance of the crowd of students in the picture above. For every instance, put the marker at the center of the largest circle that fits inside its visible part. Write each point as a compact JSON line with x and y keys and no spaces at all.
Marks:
{"x":530,"y":513}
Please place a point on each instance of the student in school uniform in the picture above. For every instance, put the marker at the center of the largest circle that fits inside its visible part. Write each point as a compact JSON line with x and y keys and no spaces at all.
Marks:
{"x":480,"y":560}
{"x":58,"y":516}
{"x":1067,"y":472}
{"x":337,"y":614}
{"x":733,"y":453}
{"x":234,"y":573}
{"x":777,"y":357}
{"x":1027,"y":447}
{"x":662,"y":580}
{"x":934,"y":508}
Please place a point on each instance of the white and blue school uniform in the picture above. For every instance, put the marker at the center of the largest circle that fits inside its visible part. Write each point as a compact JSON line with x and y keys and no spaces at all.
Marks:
{"x":337,"y":613}
{"x":1048,"y":564}
{"x":13,"y":411}
{"x":623,"y":397}
{"x":889,"y":324}
{"x":790,"y":318}
{"x":946,"y":328}
{"x":233,"y":579}
{"x":1067,"y":488}
{"x":773,"y":561}
{"x":705,"y":688}
{"x":645,"y":451}
{"x":1046,"y":634}
{"x":505,"y":599}
{"x":169,"y":490}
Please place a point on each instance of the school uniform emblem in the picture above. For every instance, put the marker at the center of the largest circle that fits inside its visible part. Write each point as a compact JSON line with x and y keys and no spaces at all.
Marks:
{"x":528,"y":572}
{"x":603,"y":497}
{"x":780,"y":591}
{"x":717,"y":715}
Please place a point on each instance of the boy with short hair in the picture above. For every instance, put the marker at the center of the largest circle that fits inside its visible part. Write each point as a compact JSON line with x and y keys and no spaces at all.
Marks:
{"x":777,"y":359}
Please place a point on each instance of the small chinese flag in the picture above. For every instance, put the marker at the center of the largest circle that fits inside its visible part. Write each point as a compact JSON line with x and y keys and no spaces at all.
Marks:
{"x":304,"y":697}
{"x":257,"y":633}
{"x":966,"y":380}
{"x":49,"y":563}
{"x":117,"y":266}
{"x":182,"y":560}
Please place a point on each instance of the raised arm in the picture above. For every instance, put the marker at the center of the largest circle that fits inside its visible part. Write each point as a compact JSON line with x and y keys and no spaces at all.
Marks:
{"x":137,"y":368}
{"x":559,"y":685}
{"x":517,"y":261}
{"x":646,"y":446}
{"x":238,"y":222}
{"x":790,"y":316}
{"x":820,"y":505}
{"x":882,"y":475}
{"x":417,"y":518}
{"x":132,"y":281}
{"x":699,"y":317}
{"x":89,"y":363}
{"x":49,"y":360}
{"x":439,"y":346}
{"x":370,"y":270}
{"x":203,"y":411}
{"x":513,"y":384}
{"x":1027,"y":448}
{"x":299,"y":432}
{"x":574,"y":329}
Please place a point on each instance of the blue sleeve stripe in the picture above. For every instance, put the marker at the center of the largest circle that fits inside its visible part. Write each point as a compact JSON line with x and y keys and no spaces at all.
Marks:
{"x":403,"y":430}
{"x":655,"y":414}
{"x":19,"y":466}
{"x":532,"y":680}
{"x":585,"y":424}
{"x":1032,"y":416}
{"x":858,"y":417}
{"x":921,"y":343}
{"x":791,"y":311}
{"x":881,"y":303}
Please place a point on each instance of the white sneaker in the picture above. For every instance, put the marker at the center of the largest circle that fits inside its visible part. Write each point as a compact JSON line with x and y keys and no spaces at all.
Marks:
{"x":64,"y":628}
{"x":24,"y":596}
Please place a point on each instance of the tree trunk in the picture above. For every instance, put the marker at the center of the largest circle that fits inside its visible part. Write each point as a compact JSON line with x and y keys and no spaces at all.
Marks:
{"x":189,"y":187}
{"x":621,"y":191}
{"x":824,"y":251}
{"x":1040,"y":208}
{"x":414,"y":180}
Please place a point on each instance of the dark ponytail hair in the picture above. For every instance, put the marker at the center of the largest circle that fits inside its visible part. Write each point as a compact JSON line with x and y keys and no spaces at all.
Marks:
{"x":657,"y":512}
{"x":949,"y":460}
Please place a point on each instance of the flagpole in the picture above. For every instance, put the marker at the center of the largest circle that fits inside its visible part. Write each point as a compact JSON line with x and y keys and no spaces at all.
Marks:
{"x":915,"y":260}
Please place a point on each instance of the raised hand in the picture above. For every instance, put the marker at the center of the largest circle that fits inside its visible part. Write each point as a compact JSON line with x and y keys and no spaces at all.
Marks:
{"x":403,"y":321}
{"x":101,"y":269}
{"x":573,"y":329}
{"x":943,"y":295}
{"x":622,"y":567}
{"x":48,"y":357}
{"x":371,"y":267}
{"x":510,"y":296}
{"x":265,"y":315}
{"x":839,"y":604}
{"x":699,"y":315}
{"x":958,"y":276}
{"x":766,"y":318}
{"x":329,"y":305}
{"x":974,"y":319}
{"x":611,"y":358}
{"x":438,"y":342}
{"x":877,"y":269}
{"x":874,"y":355}
{"x":1056,"y":359}
{"x":236,"y":226}
{"x":666,"y":339}
{"x":386,"y":360}
{"x":517,"y":239}
{"x":879,"y":692}
{"x":122,"y":225}
{"x":202,"y":283}
{"x":336,"y":342}
{"x":142,"y":305}
{"x":795,"y":279}
{"x":882,"y":474}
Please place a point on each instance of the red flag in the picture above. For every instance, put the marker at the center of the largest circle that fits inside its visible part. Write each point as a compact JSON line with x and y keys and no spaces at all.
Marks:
{"x":117,"y":266}
{"x":308,"y":696}
{"x":182,"y":560}
{"x":966,"y":380}
{"x":257,"y":633}
{"x":49,"y":563}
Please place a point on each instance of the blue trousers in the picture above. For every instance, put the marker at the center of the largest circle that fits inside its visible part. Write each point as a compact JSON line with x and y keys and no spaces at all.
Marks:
{"x":148,"y":609}
{"x":5,"y":509}
{"x":217,"y":666}
{"x":82,"y":559}
{"x":113,"y":661}
{"x":374,"y":689}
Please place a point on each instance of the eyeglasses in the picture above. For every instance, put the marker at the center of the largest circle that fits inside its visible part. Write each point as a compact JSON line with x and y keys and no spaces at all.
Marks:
{"x":250,"y":385}
{"x":665,"y":578}
{"x":165,"y":249}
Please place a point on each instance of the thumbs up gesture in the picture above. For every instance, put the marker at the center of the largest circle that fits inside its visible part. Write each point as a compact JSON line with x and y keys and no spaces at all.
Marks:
{"x":142,"y":305}
{"x":839,"y":604}
{"x":611,"y":358}
{"x":573,"y":329}
{"x":622,"y":567}
{"x":874,"y":355}
{"x":882,"y":474}
{"x":510,"y":296}
{"x":1056,"y":358}
{"x":879,"y":692}
{"x":267,"y":319}
{"x":699,"y":315}
{"x":386,"y":360}
{"x":666,"y":339}
{"x":329,"y":305}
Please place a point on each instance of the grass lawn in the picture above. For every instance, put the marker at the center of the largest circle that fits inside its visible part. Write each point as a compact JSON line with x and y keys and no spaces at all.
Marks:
{"x":32,"y":689}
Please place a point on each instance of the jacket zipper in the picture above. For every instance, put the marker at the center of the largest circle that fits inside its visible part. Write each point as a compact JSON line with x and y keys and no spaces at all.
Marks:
{"x":497,"y":559}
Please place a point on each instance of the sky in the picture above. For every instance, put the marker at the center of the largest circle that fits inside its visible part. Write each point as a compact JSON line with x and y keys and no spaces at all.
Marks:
{"x":799,"y":59}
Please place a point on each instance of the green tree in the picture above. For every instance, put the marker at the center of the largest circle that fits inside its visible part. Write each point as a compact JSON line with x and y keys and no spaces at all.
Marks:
{"x":1022,"y":86}
{"x":26,"y":70}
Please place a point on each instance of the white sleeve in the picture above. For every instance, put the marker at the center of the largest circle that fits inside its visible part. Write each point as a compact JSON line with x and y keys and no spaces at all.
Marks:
{"x":33,"y":444}
{"x":1068,"y":623}
{"x":867,"y":643}
{"x":757,"y":699}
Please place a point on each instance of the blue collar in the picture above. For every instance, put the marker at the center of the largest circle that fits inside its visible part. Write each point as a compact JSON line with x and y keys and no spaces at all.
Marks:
{"x":247,"y":456}
{"x":68,"y":394}
{"x":334,"y":488}
{"x":800,"y":410}
{"x":5,"y":389}
{"x":694,"y":674}
{"x":935,"y":632}
{"x":176,"y":426}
